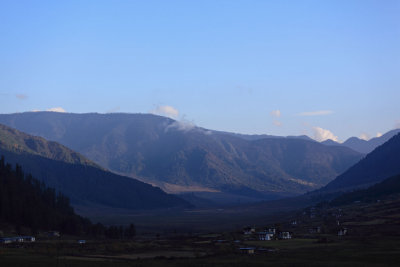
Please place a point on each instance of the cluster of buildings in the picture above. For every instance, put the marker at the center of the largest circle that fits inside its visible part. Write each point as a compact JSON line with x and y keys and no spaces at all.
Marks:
{"x":267,"y":234}
{"x":31,"y":239}
{"x":26,"y":239}
{"x":17,"y":239}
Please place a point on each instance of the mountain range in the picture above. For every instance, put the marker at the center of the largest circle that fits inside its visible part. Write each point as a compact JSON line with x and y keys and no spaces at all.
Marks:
{"x":83,"y":181}
{"x":374,"y":177}
{"x":380,"y":164}
{"x":179,"y":151}
{"x":180,"y":157}
{"x":363,"y":146}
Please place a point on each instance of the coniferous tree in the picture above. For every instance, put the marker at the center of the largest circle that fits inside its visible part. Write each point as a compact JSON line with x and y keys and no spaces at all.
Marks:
{"x":25,"y":202}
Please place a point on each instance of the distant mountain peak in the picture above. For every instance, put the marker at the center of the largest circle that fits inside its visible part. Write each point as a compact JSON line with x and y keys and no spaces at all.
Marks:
{"x":330,"y":142}
{"x":364,"y":146}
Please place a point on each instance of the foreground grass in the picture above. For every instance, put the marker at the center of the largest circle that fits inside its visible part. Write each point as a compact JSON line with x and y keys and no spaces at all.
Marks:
{"x":301,"y":252}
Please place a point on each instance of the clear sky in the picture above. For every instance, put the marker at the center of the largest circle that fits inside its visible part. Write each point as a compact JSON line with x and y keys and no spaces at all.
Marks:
{"x":321,"y":68}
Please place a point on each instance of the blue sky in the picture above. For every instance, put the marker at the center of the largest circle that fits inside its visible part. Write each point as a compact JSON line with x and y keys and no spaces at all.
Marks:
{"x":328,"y":69}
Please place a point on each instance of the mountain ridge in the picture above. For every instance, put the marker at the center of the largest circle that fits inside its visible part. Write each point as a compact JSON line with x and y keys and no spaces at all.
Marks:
{"x":381,"y":163}
{"x":166,"y":152}
{"x":364,"y":146}
{"x":19,"y":142}
{"x":84,"y":184}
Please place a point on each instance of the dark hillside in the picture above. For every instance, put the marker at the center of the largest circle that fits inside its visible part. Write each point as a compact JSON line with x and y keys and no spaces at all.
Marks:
{"x":374,"y":193}
{"x":27,"y":202}
{"x":378,"y":165}
{"x":78,"y":178}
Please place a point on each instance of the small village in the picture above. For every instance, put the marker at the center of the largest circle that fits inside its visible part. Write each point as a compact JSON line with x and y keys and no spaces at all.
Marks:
{"x":312,"y":223}
{"x":318,"y":228}
{"x":17,"y":239}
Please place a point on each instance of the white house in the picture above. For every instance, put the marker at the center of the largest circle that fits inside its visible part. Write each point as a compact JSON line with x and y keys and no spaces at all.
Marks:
{"x":28,"y":238}
{"x":315,"y":230}
{"x":265,"y":236}
{"x":285,"y":235}
{"x":342,"y":232}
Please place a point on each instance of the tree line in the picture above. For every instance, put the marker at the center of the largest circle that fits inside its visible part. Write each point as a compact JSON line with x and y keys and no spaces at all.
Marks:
{"x":26,"y":202}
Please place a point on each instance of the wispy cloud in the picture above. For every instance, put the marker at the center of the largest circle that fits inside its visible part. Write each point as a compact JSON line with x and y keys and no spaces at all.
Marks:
{"x":364,"y":136}
{"x":275,"y":113}
{"x":378,"y":134}
{"x":180,"y":124}
{"x":56,"y":109}
{"x":321,"y":134}
{"x":167,"y":111}
{"x":21,"y":96}
{"x":183,"y":125}
{"x":315,"y":113}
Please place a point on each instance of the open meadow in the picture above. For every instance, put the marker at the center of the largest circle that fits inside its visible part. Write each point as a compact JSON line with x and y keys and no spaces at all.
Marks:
{"x":190,"y":251}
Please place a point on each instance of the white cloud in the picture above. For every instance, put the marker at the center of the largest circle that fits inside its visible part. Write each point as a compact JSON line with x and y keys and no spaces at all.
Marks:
{"x":167,"y":111}
{"x":56,"y":109}
{"x":315,"y":113}
{"x":181,"y":125}
{"x":184,"y":126}
{"x":379,"y":134}
{"x":321,"y":134}
{"x":364,"y":136}
{"x":276,"y":113}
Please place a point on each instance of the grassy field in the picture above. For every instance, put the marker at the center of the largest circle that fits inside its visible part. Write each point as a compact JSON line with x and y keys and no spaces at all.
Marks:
{"x":190,"y":221}
{"x":198,"y":219}
{"x":186,"y":252}
{"x":373,"y":240}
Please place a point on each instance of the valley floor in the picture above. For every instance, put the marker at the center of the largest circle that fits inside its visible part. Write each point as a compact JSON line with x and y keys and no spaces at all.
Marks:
{"x":372,"y":239}
{"x":198,"y":220}
{"x":201,"y":251}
